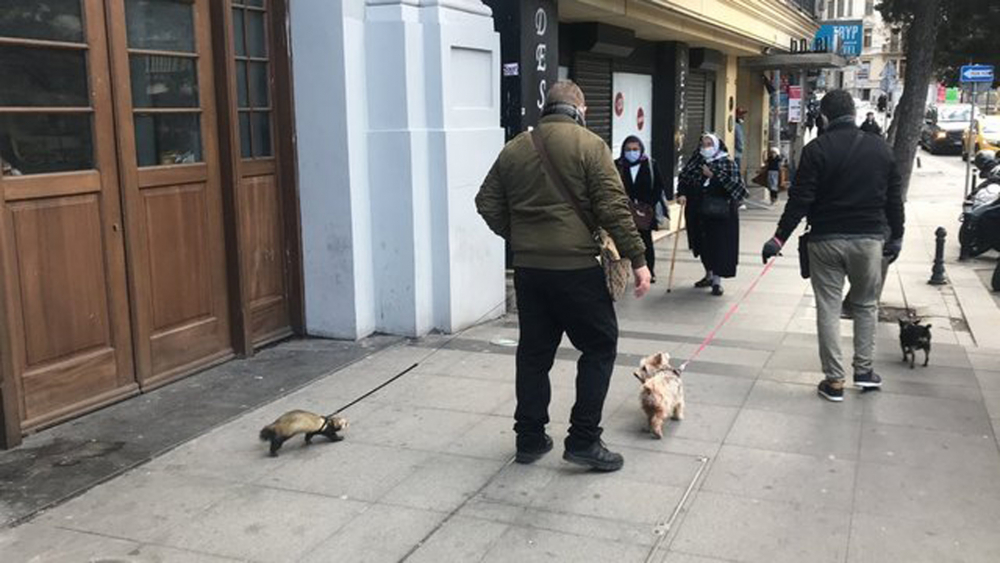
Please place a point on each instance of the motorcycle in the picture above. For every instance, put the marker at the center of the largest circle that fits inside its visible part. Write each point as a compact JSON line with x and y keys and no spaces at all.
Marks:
{"x":980,"y":230}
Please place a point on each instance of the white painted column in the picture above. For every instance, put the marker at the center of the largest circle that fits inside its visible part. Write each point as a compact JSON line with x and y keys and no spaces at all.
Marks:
{"x":328,"y":58}
{"x":433,"y":111}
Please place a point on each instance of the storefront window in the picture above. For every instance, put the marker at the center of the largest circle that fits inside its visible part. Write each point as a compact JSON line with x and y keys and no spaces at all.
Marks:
{"x":253,"y":78}
{"x":49,"y":20}
{"x":164,"y":75}
{"x":45,"y":112}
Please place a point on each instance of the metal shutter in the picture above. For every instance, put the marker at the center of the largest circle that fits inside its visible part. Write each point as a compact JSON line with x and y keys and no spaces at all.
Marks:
{"x":593,"y":75}
{"x":695,"y":104}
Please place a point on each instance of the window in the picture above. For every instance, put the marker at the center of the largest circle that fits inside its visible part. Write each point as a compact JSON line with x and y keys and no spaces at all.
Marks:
{"x":850,"y":8}
{"x":901,"y":76}
{"x":894,"y":42}
{"x":45,"y":107}
{"x":868,"y":38}
{"x":253,"y":77}
{"x":840,"y":8}
{"x":866,"y":95}
{"x":163,"y":63}
{"x":869,"y":7}
{"x":830,"y":11}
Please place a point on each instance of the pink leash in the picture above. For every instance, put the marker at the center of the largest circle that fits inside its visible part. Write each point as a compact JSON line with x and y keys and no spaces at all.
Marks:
{"x":729,"y":315}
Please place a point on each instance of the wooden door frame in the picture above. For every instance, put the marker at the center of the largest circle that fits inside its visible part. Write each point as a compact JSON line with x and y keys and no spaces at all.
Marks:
{"x":231,"y":163}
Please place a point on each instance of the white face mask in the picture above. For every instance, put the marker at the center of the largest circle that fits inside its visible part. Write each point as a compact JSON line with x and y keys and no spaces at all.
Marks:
{"x":633,"y":156}
{"x":707,"y":153}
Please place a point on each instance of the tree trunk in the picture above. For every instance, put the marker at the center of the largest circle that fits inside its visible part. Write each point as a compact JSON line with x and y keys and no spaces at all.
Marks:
{"x":920,"y":50}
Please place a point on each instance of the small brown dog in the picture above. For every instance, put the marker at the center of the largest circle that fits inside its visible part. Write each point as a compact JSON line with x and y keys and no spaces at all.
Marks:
{"x":662,"y":392}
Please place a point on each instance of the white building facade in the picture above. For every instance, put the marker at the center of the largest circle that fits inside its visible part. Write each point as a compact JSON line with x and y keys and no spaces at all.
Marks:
{"x":397,"y":119}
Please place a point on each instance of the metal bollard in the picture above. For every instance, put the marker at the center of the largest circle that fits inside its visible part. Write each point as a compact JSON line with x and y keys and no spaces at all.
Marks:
{"x":937,"y":272}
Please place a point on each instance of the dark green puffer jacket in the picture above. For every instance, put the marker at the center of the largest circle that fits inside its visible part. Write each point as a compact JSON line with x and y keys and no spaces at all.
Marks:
{"x":521,"y":204}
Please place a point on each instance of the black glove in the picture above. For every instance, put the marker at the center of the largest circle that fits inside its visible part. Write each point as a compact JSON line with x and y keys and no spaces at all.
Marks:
{"x":772,"y":248}
{"x":892,"y":249}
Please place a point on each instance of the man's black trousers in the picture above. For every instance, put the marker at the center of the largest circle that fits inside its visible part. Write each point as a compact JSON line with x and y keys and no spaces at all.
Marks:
{"x":577,"y":303}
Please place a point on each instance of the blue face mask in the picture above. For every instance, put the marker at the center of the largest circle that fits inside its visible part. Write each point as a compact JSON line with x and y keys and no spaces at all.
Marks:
{"x":633,"y":156}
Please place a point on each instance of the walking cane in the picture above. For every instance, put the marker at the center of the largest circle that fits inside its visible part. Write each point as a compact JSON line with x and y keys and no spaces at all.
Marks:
{"x":673,"y":258}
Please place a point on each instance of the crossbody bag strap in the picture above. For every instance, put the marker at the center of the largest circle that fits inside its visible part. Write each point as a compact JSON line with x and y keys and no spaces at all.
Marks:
{"x":557,"y":179}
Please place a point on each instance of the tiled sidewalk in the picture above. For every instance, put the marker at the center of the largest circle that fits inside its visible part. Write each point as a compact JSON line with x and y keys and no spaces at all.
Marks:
{"x":774,"y":474}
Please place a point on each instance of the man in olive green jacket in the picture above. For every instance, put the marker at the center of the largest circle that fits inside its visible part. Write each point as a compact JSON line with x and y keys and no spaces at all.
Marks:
{"x":559,"y":284}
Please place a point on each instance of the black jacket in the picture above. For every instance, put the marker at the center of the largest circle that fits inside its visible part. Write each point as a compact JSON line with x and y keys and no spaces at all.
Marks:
{"x":642,"y":189}
{"x":871,"y":127}
{"x":862,"y":196}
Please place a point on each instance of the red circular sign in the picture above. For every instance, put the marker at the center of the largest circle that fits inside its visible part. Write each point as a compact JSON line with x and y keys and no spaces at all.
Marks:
{"x":640,"y":119}
{"x":619,"y":104}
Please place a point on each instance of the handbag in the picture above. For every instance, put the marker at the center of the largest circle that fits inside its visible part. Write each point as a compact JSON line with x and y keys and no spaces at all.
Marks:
{"x":617,"y":272}
{"x":715,"y":207}
{"x":643,"y":214}
{"x":804,"y":254}
{"x":761,"y":178}
{"x":804,"y":237}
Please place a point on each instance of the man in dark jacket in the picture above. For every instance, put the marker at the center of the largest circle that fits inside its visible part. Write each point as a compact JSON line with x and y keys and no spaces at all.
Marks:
{"x":849,"y":189}
{"x":560,"y":286}
{"x":869,"y":125}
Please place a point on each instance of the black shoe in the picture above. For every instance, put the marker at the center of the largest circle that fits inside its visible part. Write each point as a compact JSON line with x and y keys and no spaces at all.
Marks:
{"x":652,"y":278}
{"x":717,"y":290}
{"x":596,"y":457}
{"x":532,"y":447}
{"x":703,"y":282}
{"x":831,"y":390}
{"x":870,"y":380}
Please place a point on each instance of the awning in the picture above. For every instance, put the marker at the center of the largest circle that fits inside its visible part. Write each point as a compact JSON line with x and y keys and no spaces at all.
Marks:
{"x":794,"y":61}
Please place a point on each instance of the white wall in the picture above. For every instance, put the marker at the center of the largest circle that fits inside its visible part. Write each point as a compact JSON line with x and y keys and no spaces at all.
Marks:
{"x":637,"y":93}
{"x":398,"y":117}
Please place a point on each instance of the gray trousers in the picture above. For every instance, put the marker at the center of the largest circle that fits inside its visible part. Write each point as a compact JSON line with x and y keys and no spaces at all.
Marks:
{"x":860,"y":261}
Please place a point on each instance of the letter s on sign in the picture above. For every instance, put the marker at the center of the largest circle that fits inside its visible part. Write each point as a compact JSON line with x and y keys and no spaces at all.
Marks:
{"x":542,"y":89}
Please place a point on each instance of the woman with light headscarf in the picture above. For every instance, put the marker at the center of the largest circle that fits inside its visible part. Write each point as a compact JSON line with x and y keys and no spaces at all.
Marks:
{"x":711,"y":189}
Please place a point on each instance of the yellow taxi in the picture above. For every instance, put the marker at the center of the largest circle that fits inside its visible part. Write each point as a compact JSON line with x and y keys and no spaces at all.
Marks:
{"x":985,"y":135}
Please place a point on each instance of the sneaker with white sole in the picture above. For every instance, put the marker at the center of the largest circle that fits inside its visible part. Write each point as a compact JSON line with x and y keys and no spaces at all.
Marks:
{"x":870,"y":380}
{"x":831,"y":390}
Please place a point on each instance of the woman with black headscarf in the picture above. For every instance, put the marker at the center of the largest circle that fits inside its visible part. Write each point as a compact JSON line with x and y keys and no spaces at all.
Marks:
{"x":712,"y":189}
{"x":645,"y":188}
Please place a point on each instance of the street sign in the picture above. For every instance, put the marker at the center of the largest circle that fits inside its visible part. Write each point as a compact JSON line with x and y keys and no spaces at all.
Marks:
{"x":977,"y":73}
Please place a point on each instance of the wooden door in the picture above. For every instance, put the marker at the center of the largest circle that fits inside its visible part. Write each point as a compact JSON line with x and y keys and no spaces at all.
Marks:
{"x":258,"y":183}
{"x":67,"y":341}
{"x":168,"y":154}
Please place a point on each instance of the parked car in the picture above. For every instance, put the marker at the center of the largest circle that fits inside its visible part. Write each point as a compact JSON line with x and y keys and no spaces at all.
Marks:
{"x":944,"y":128}
{"x":985,"y":136}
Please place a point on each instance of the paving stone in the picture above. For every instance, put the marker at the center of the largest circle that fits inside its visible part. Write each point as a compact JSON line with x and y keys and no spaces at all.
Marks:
{"x":778,"y":476}
{"x":802,"y":400}
{"x":716,"y":389}
{"x":527,"y":545}
{"x":751,"y":530}
{"x":348,"y":469}
{"x":450,"y":393}
{"x":137,"y":507}
{"x":902,"y":491}
{"x":379,"y":534}
{"x":264,"y":525}
{"x":947,"y":452}
{"x":460,"y":539}
{"x":442,"y":483}
{"x":877,"y":539}
{"x":802,"y":377}
{"x":484,"y":509}
{"x":796,"y":434}
{"x":414,"y":428}
{"x":491,"y":438}
{"x":608,"y":496}
{"x":601,"y":528}
{"x":678,"y":557}
{"x":520,"y":485}
{"x":49,"y":544}
{"x":707,"y":423}
{"x":965,"y":417}
{"x":796,"y":358}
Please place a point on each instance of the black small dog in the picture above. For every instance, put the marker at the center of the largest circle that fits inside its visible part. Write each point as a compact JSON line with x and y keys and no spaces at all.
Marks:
{"x":914,"y":336}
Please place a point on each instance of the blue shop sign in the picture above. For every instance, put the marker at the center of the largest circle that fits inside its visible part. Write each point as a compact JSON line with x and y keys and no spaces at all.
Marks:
{"x":844,"y":38}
